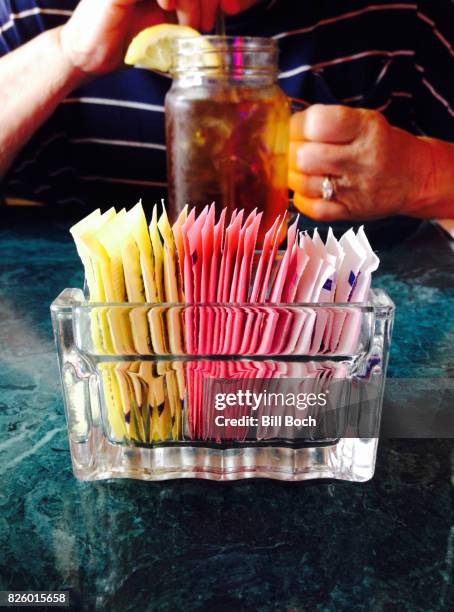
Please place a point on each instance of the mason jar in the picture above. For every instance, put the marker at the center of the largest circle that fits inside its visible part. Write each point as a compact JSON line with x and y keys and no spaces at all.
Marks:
{"x":227,"y":126}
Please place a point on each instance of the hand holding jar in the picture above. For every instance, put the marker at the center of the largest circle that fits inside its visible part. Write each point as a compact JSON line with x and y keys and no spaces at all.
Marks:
{"x":350,"y":163}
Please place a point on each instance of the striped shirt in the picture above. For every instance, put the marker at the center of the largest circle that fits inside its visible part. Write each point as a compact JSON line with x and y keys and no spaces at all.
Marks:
{"x":105,"y":143}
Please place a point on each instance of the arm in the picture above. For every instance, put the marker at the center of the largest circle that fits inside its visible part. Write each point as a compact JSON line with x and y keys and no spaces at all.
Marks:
{"x":377,"y":169}
{"x":37,"y":76}
{"x":31,"y":94}
{"x":436,"y":187}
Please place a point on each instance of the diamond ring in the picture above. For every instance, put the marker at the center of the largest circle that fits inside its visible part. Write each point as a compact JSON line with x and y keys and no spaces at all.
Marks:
{"x":328,"y":189}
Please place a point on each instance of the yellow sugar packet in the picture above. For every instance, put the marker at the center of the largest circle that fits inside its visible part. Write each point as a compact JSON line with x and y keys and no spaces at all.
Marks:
{"x":138,"y":265}
{"x":158,"y":330}
{"x":161,"y":417}
{"x":134,"y":392}
{"x":155,"y":315}
{"x":135,"y":289}
{"x":140,"y":405}
{"x":113,"y":400}
{"x":91,"y":220}
{"x":146,"y":374}
{"x":175,"y":404}
{"x":110,"y":237}
{"x":140,"y":330}
{"x":130,"y":256}
{"x":159,"y":409}
{"x":120,"y":330}
{"x":169,"y":261}
{"x":137,"y":224}
{"x":171,"y":289}
{"x":100,"y":331}
{"x":126,"y":394}
{"x":158,"y":255}
{"x":140,"y":412}
{"x":95,"y":258}
{"x":83,"y":234}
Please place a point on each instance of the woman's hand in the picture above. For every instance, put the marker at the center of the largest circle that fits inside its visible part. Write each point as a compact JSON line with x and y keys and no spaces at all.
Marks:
{"x":376,"y":169}
{"x":201,"y":14}
{"x":96,"y":37}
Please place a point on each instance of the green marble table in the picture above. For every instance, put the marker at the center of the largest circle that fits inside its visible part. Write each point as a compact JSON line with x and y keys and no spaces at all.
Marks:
{"x":191,"y":545}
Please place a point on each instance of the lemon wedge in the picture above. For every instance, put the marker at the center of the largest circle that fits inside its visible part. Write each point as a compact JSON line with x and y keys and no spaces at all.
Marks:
{"x":152,"y":47}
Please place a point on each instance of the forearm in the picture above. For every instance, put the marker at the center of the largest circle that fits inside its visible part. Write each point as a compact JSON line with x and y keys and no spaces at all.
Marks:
{"x":33,"y":80}
{"x":435,"y":197}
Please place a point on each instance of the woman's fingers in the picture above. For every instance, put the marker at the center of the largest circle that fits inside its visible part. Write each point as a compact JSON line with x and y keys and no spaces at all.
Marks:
{"x":321,"y":210}
{"x":327,"y":123}
{"x":318,"y":158}
{"x":306,"y":185}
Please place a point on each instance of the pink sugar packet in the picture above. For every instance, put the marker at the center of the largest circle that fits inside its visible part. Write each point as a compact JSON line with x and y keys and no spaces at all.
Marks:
{"x":241,"y":281}
{"x":196,"y":250}
{"x":256,"y":316}
{"x":246,"y":263}
{"x":268,"y":244}
{"x":280,"y":328}
{"x":207,"y":236}
{"x":240,"y":253}
{"x":228,"y":256}
{"x":321,"y":320}
{"x":297,"y":266}
{"x":206,"y":313}
{"x":235,"y":315}
{"x":298,"y":321}
{"x":187,"y":262}
{"x":276,"y":320}
{"x":232,"y":234}
{"x":279,"y":281}
{"x":251,"y":331}
{"x":195,"y":241}
{"x":188,"y":285}
{"x":272,"y":256}
{"x":303,"y":343}
{"x":218,"y":238}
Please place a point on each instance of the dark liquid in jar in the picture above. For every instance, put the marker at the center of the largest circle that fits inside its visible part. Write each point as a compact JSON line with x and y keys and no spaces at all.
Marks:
{"x":230,"y":148}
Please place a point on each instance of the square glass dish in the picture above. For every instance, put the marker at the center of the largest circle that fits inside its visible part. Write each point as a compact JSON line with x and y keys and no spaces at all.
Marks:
{"x":223,"y":391}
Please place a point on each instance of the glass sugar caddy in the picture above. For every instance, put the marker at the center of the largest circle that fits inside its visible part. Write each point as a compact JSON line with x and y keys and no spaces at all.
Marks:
{"x":223,"y":391}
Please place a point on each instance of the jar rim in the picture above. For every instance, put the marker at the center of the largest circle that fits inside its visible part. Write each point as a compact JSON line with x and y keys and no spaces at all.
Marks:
{"x":252,"y":53}
{"x":252,"y":42}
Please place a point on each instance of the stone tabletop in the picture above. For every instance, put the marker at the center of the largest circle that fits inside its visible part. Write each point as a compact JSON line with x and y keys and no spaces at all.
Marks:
{"x":387,"y":544}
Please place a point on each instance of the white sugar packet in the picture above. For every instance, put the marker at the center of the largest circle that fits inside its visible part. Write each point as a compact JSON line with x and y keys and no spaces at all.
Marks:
{"x":334,"y":248}
{"x":351,"y":328}
{"x":371,"y":263}
{"x":355,"y":257}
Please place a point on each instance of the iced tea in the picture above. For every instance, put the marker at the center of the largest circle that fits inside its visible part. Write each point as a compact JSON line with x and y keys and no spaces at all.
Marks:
{"x":227,"y":137}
